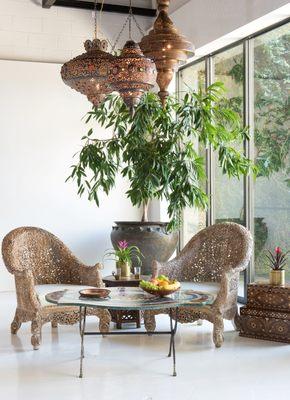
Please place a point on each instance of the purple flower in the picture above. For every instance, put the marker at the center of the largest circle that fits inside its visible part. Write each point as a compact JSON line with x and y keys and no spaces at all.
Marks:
{"x":123,"y":244}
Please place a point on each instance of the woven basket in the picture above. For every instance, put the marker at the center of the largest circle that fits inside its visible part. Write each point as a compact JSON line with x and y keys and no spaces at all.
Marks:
{"x":161,"y":292}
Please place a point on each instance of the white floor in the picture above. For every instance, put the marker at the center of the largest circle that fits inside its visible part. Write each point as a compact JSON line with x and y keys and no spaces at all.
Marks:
{"x":136,"y":368}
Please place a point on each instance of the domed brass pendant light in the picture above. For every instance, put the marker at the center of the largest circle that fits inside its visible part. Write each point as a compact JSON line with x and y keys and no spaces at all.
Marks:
{"x":166,"y":46}
{"x":88,"y":72}
{"x":131,"y":73}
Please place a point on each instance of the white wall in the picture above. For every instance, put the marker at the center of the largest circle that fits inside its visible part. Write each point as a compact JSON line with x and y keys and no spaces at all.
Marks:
{"x":31,"y":33}
{"x":40,"y":130}
{"x":203,"y":21}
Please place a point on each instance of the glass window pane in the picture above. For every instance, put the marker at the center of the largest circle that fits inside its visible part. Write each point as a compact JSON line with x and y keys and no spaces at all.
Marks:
{"x":194,"y":220}
{"x":229,"y":193}
{"x":272,"y":145}
{"x":191,"y":78}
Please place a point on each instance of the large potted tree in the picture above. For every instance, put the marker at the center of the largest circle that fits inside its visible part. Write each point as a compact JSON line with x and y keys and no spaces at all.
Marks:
{"x":154,"y":149}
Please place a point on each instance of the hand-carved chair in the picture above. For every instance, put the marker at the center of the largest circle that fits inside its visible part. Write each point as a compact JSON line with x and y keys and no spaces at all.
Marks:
{"x":212,"y":261}
{"x":41,"y":263}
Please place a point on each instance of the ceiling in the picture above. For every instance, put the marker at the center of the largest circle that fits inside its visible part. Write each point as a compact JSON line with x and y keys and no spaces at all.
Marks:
{"x":142,"y":4}
{"x":135,"y":3}
{"x":174,"y":4}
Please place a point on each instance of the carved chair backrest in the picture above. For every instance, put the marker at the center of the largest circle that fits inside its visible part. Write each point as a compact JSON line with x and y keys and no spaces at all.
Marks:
{"x":43,"y":254}
{"x":211,"y":252}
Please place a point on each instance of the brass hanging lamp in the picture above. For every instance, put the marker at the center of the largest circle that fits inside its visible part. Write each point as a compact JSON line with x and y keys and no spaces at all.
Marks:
{"x":88,"y":72}
{"x":166,"y":46}
{"x":131,"y":73}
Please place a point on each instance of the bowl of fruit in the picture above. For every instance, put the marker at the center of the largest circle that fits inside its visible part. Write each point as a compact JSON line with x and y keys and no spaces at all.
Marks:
{"x":161,"y":286}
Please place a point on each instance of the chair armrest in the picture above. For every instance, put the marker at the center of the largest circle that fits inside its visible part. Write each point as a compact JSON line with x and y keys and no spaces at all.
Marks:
{"x":156,"y":266}
{"x":90,"y":275}
{"x":228,"y":293}
{"x":166,"y":269}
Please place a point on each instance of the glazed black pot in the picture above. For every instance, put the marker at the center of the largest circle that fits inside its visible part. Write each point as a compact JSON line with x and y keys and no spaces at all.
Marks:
{"x":150,"y":237}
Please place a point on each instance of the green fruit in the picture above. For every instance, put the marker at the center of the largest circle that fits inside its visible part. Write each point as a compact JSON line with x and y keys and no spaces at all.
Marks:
{"x":163,"y":278}
{"x":148,"y":285}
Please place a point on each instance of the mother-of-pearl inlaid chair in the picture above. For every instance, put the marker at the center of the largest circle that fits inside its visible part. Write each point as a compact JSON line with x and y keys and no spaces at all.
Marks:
{"x":41,"y":263}
{"x":211,"y":261}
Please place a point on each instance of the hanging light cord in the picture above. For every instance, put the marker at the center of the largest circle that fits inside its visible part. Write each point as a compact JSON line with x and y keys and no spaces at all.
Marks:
{"x":98,"y":30}
{"x":97,"y":27}
{"x":100,"y":15}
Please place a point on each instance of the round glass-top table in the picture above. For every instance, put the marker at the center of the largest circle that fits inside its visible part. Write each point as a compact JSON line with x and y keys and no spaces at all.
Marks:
{"x":122,"y":298}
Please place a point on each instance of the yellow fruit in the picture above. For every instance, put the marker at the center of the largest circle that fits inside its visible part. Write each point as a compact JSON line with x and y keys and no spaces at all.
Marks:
{"x":172,"y":286}
{"x":163,"y":284}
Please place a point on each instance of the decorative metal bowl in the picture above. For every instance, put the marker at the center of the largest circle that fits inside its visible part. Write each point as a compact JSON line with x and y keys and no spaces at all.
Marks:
{"x":95,"y":293}
{"x":160,"y":292}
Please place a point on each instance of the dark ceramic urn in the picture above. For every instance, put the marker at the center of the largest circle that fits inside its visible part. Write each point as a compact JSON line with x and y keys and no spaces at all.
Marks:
{"x":151,"y":238}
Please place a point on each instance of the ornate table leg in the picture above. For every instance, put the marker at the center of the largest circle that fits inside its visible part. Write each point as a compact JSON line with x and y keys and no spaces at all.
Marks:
{"x":173,"y":328}
{"x":138,"y":319}
{"x":82,"y":326}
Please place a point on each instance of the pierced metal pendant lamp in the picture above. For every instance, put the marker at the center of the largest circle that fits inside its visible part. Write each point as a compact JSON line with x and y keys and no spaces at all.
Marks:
{"x":88,"y":72}
{"x":166,"y":46}
{"x":97,"y":73}
{"x":132,"y":74}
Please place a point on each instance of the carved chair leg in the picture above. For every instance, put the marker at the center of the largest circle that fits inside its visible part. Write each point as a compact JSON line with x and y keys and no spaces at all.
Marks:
{"x":36,"y":332}
{"x":236,"y":321}
{"x":149,"y":321}
{"x":54,"y":323}
{"x":104,"y":321}
{"x":218,"y":331}
{"x":16,"y":323}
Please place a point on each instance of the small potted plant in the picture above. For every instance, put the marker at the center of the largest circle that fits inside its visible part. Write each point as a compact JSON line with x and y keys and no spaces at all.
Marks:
{"x":277,"y":263}
{"x":123,"y":255}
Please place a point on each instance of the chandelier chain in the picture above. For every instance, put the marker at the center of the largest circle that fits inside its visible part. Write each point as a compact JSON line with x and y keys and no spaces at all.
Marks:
{"x":130,"y":20}
{"x":95,"y":20}
{"x":120,"y":33}
{"x":138,"y":26}
{"x":104,"y":35}
{"x":131,"y":17}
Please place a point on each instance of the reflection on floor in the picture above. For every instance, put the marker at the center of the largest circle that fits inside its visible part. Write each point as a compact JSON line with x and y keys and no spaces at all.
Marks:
{"x":136,"y":367}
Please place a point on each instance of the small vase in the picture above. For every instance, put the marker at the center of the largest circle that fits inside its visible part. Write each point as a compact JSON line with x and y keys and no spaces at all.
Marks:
{"x":277,"y":277}
{"x":125,"y":269}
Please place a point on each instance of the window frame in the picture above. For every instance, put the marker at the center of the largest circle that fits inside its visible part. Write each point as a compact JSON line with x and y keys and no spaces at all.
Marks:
{"x":248,"y":120}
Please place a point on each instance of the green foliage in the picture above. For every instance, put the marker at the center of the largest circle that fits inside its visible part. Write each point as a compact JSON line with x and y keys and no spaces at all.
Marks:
{"x":272,"y":112}
{"x":125,"y":253}
{"x":154,"y":148}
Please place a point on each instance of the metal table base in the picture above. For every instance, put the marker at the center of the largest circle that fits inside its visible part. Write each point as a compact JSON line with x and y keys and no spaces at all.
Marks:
{"x":173,"y":315}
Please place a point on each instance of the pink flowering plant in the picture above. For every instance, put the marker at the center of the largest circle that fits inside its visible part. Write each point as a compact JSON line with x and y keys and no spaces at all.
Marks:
{"x":277,"y":259}
{"x":125,"y":253}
